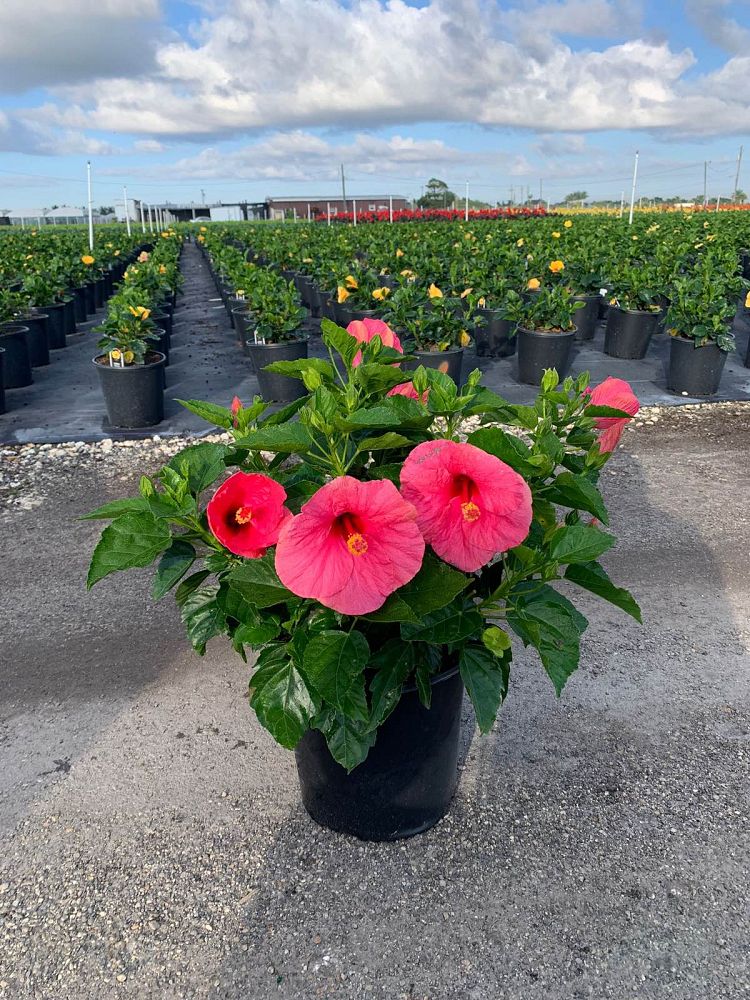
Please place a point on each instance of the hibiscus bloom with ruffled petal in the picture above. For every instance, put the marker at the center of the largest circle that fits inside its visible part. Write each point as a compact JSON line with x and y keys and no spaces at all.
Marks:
{"x":247,"y":513}
{"x":407,"y":389}
{"x":615,"y":392}
{"x":364,"y":330}
{"x":352,"y":544}
{"x":470,"y":505}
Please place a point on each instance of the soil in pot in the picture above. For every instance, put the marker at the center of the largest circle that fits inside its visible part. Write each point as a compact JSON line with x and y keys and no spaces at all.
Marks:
{"x":629,"y":332}
{"x":16,"y":362}
{"x":449,"y":362}
{"x":693,"y":370}
{"x":37,"y":339}
{"x":278,"y":388}
{"x":585,"y":319}
{"x":540,"y":349}
{"x":133,"y":395}
{"x":406,"y":783}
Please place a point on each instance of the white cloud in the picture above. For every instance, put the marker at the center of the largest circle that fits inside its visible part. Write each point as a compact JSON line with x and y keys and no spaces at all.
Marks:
{"x":711,"y":17}
{"x":148,"y":146}
{"x":254,"y":65}
{"x":49,"y":42}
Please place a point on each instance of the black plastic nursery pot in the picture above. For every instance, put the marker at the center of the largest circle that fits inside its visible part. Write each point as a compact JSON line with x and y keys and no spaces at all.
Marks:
{"x":100,"y":295}
{"x":540,"y":349}
{"x":55,"y":325}
{"x":37,"y":339}
{"x":244,"y":324}
{"x":79,"y":304}
{"x":14,"y":338}
{"x":2,"y":390}
{"x":585,"y":319}
{"x":449,"y":362}
{"x":164,"y":321}
{"x":278,"y":388}
{"x":69,"y":317}
{"x":496,"y":338}
{"x":406,"y":783}
{"x":134,"y":395}
{"x":695,"y":371}
{"x":90,"y":297}
{"x":629,"y":332}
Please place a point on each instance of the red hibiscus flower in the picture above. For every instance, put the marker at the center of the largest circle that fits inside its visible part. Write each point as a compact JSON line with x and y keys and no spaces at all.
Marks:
{"x":246,"y":513}
{"x":364,"y":330}
{"x":407,"y":389}
{"x":470,"y":505}
{"x":617,"y":393}
{"x":351,"y":545}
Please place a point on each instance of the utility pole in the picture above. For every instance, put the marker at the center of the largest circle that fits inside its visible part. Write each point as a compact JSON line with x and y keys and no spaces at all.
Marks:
{"x":127,"y":210}
{"x":512,"y":195}
{"x":737,"y":175}
{"x":622,"y":203}
{"x":705,"y":183}
{"x":203,"y":197}
{"x":140,"y":213}
{"x":343,"y":186}
{"x":632,"y":193}
{"x":91,"y":209}
{"x":541,"y":199}
{"x":466,"y":204}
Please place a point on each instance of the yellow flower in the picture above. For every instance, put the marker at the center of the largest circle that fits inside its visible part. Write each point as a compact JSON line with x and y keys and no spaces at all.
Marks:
{"x":307,"y":260}
{"x":162,"y":269}
{"x":399,"y":253}
{"x":556,"y":236}
{"x":381,"y":293}
{"x":465,"y":292}
{"x":132,"y":310}
{"x":129,"y":357}
{"x":203,"y":229}
{"x":747,"y":301}
{"x":705,"y":225}
{"x":519,"y":243}
{"x":33,"y":232}
{"x":434,"y":292}
{"x":533,"y":283}
{"x":568,"y":223}
{"x":115,"y":355}
{"x":464,"y":339}
{"x":343,"y":295}
{"x":143,"y":257}
{"x":144,"y":313}
{"x":117,"y":253}
{"x":108,"y":246}
{"x":556,"y":266}
{"x":710,"y":238}
{"x":350,"y":281}
{"x":529,"y":256}
{"x":634,"y":237}
{"x":201,"y":239}
{"x":698,"y":246}
{"x":481,"y":302}
{"x":87,"y":259}
{"x":29,"y":256}
{"x":406,"y":273}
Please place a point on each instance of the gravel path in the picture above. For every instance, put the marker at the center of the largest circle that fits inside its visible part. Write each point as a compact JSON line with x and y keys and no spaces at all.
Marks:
{"x":151,"y":840}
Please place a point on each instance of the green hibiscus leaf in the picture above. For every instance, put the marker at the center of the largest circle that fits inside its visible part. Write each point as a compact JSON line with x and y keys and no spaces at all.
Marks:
{"x":591,"y":576}
{"x":200,"y":464}
{"x":334,"y":662}
{"x":485,"y":676}
{"x":131,"y":540}
{"x":281,"y":698}
{"x":578,"y":543}
{"x":173,"y":565}
{"x":392,"y":665}
{"x":258,"y":583}
{"x":453,"y":623}
{"x":578,"y":493}
{"x":542,"y":618}
{"x":349,"y":741}
{"x":435,"y":585}
{"x":203,"y":616}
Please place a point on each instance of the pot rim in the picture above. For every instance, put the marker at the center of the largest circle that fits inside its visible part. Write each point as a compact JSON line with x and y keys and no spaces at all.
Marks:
{"x":547,"y":333}
{"x":687,"y":340}
{"x":451,"y":350}
{"x":129,"y":368}
{"x":283,"y":343}
{"x":638,"y":312}
{"x":444,"y":675}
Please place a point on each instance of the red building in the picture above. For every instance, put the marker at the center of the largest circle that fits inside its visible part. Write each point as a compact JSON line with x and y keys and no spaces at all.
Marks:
{"x":316,"y":208}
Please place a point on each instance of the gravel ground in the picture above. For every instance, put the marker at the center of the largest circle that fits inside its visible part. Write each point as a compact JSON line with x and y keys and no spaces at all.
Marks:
{"x":151,"y":840}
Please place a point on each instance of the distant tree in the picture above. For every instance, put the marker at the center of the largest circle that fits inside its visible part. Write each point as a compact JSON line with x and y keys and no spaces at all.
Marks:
{"x":739,"y":196}
{"x":106,"y":210}
{"x":437,"y":194}
{"x":575,"y":196}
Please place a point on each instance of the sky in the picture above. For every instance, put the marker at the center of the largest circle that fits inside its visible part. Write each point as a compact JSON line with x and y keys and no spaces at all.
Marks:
{"x":227,"y":99}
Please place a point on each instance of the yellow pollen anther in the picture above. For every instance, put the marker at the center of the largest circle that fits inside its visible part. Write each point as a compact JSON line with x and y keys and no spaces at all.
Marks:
{"x":470,"y":511}
{"x":356,"y":544}
{"x":243,"y":515}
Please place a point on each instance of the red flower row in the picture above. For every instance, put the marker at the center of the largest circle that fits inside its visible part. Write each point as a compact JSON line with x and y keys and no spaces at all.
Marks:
{"x":435,"y":215}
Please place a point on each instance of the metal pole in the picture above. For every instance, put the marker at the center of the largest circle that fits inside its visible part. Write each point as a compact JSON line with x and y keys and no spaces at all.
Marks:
{"x":737,"y":175}
{"x":390,"y":208}
{"x":151,"y":218}
{"x":140,"y":213}
{"x":343,"y":186}
{"x":622,"y":203}
{"x":354,"y":208}
{"x":127,"y":210}
{"x":308,"y":211}
{"x":632,"y":193}
{"x":705,"y":183}
{"x":466,"y":204}
{"x":328,"y":212}
{"x":91,"y":211}
{"x":718,"y":199}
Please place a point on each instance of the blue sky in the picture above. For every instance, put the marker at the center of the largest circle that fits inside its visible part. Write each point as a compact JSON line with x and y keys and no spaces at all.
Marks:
{"x":249,"y":98}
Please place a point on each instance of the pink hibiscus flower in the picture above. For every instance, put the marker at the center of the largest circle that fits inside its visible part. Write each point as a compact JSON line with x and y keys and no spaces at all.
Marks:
{"x":617,"y":393}
{"x":246,"y":513}
{"x":407,"y":389}
{"x":351,"y":545}
{"x":470,"y":505}
{"x":364,"y":330}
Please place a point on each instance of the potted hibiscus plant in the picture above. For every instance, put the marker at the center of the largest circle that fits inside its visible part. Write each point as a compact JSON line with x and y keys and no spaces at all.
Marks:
{"x":376,"y":563}
{"x":546,"y":327}
{"x":131,"y":370}
{"x":437,"y":333}
{"x":278,"y":334}
{"x":634,"y":310}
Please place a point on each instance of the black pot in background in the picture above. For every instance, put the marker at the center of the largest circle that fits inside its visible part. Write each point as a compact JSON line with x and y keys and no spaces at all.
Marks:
{"x":89,"y":292}
{"x":244,"y":324}
{"x":408,"y":779}
{"x":448,"y":362}
{"x":663,"y":302}
{"x":232,"y":303}
{"x":164,"y":321}
{"x":694,"y":370}
{"x":100,"y":293}
{"x":538,"y":350}
{"x":745,"y":261}
{"x":69,"y":317}
{"x":585,"y":319}
{"x":79,"y":304}
{"x":629,"y":332}
{"x":37,"y":339}
{"x":2,"y":389}
{"x":133,"y":395}
{"x":279,"y":388}
{"x":55,"y":325}
{"x":162,"y":344}
{"x":17,"y":363}
{"x":328,"y":305}
{"x":496,"y":338}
